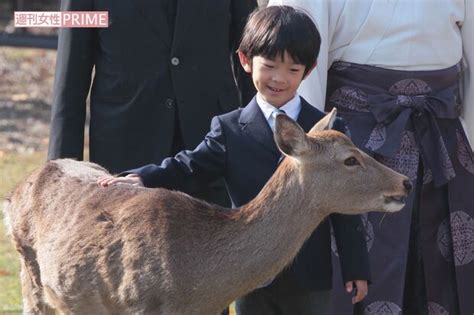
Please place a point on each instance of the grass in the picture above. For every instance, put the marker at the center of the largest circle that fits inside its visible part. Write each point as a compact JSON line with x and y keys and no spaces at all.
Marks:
{"x":13,"y":168}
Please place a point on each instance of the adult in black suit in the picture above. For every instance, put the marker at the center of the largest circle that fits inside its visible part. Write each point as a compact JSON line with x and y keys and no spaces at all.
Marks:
{"x":162,"y":71}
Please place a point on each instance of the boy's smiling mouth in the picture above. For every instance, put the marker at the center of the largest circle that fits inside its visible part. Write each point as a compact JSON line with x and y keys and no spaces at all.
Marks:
{"x":275,"y":89}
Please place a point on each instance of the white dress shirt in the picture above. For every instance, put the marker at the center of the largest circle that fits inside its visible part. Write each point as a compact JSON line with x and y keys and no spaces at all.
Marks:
{"x":292,"y":109}
{"x":405,"y":35}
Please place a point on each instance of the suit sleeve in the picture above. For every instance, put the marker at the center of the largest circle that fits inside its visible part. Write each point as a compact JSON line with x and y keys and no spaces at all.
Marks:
{"x":349,"y":233}
{"x":189,"y":170}
{"x":351,"y":246}
{"x":72,"y":81}
{"x":241,"y":10}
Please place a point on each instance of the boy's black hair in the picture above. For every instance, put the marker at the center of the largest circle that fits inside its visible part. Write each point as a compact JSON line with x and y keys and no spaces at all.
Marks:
{"x":271,"y":31}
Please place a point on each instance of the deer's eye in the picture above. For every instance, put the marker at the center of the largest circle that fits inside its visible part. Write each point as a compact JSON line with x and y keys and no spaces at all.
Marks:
{"x":352,"y":161}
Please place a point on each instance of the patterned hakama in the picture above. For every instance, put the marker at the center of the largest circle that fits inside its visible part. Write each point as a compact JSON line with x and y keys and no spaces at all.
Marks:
{"x":424,"y":254}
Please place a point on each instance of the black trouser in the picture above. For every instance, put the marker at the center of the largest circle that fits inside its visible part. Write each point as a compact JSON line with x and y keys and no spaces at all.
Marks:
{"x":266,"y":302}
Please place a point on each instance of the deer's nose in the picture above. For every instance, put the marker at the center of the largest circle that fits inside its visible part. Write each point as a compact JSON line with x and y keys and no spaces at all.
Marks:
{"x":408,"y":185}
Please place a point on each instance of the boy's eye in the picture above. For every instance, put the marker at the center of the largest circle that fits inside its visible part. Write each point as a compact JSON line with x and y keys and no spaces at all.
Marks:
{"x":268,"y":66}
{"x":295,"y":70}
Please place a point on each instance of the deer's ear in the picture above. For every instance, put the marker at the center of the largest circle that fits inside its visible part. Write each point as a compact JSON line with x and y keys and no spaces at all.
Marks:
{"x":290,"y":137}
{"x":326,"y":122}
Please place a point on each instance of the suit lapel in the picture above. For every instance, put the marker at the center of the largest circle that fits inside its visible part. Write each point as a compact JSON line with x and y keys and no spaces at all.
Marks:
{"x":187,"y":11}
{"x":153,"y":14}
{"x":255,"y":126}
{"x":306,"y":118}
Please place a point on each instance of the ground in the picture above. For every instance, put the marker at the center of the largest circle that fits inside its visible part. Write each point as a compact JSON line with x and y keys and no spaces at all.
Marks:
{"x":26,"y":78}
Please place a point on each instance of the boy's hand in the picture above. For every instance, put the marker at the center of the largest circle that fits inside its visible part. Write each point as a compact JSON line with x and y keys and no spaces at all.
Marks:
{"x":361,"y":290}
{"x":131,"y":179}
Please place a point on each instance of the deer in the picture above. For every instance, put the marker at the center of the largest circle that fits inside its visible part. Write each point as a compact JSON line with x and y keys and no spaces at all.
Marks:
{"x":135,"y":250}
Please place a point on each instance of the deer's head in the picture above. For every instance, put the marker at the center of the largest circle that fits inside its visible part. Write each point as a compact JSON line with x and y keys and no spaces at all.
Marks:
{"x":346,"y":179}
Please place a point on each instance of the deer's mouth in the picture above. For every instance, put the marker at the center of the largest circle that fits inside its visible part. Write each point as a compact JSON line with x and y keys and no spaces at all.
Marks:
{"x":399,"y":198}
{"x":395,"y":202}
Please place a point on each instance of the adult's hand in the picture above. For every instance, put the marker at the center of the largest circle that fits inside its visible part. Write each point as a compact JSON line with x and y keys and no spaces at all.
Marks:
{"x":361,"y":289}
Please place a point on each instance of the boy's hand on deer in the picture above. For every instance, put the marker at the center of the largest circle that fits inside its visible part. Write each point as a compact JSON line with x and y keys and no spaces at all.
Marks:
{"x":360,"y":287}
{"x":131,"y":179}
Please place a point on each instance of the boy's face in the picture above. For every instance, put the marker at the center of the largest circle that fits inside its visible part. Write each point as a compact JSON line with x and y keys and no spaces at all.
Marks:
{"x":275,"y":79}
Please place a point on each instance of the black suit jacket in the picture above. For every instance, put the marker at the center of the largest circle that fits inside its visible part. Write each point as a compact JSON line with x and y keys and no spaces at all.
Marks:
{"x":240,"y":148}
{"x":143,"y":76}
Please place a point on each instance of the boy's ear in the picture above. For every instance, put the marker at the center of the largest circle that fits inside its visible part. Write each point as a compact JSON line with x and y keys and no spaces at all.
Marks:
{"x":309,"y":71}
{"x":245,"y":62}
{"x":290,"y":137}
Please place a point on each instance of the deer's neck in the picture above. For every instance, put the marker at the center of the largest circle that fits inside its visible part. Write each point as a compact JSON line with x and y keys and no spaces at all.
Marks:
{"x":275,"y":224}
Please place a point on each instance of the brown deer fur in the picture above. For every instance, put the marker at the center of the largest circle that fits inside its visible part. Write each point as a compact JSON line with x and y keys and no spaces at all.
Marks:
{"x":132,"y":250}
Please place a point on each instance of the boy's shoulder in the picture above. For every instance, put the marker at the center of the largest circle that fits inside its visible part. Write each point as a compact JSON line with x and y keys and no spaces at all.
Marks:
{"x":317,"y":115}
{"x":235,"y":115}
{"x":309,"y":109}
{"x":231,"y":116}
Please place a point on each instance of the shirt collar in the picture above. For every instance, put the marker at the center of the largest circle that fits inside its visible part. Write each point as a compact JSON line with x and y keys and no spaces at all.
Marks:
{"x":292,"y":108}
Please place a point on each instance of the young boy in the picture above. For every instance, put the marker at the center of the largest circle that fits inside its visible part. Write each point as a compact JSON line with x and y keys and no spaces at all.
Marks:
{"x":279,"y":49}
